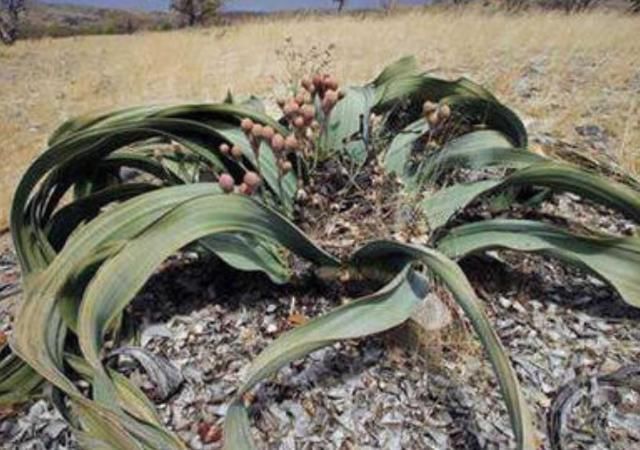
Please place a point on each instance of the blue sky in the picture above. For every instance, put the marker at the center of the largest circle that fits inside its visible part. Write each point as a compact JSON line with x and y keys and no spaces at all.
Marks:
{"x":233,"y":5}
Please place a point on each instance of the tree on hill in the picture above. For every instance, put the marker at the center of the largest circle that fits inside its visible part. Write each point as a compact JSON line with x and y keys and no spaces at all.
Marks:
{"x":196,"y":12}
{"x":389,"y":5}
{"x":340,"y":3}
{"x":10,"y":12}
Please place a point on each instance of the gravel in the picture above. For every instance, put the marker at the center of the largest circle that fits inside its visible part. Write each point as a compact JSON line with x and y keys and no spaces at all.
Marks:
{"x":208,"y":322}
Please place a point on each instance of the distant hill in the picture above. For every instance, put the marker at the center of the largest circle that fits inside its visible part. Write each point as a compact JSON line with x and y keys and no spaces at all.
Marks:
{"x":235,"y":5}
{"x":44,"y":19}
{"x":56,"y":18}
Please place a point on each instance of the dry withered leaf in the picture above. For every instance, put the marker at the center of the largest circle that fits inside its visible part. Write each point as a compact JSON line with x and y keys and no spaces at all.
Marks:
{"x":297,"y":319}
{"x":209,"y":433}
{"x":7,"y":411}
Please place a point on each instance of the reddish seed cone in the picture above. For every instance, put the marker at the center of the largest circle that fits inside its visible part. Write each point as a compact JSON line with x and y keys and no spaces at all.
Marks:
{"x":308,"y":112}
{"x":285,"y":166}
{"x":268,"y":133}
{"x":236,"y":152}
{"x":332,"y":96}
{"x":256,"y":131}
{"x":226,"y":182}
{"x":291,"y":108}
{"x":429,"y":107}
{"x":291,"y":143}
{"x":252,"y":180}
{"x":317,"y":81}
{"x":306,"y":83}
{"x":209,"y":433}
{"x":329,"y":101}
{"x":246,"y":124}
{"x":330,"y":83}
{"x":277,"y":142}
{"x":224,"y":149}
{"x":433,"y":117}
{"x":244,"y":189}
{"x":298,"y":122}
{"x":300,"y":98}
{"x":444,"y":111}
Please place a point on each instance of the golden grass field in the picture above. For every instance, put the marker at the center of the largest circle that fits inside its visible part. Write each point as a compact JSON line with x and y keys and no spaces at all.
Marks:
{"x":580,"y":69}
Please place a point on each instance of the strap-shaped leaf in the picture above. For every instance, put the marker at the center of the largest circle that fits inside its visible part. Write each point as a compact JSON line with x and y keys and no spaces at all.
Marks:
{"x":454,"y":279}
{"x":18,"y":381}
{"x":383,"y":310}
{"x":89,"y":145}
{"x":36,"y":329}
{"x":566,"y":178}
{"x":117,"y":281}
{"x":398,"y":155}
{"x":130,"y":397}
{"x":198,"y":112}
{"x":475,"y":102}
{"x":70,"y":216}
{"x":347,"y":132}
{"x":614,"y":259}
{"x":477,"y":150}
{"x":237,"y":432}
{"x":443,"y":205}
{"x":404,"y":67}
{"x":490,"y":113}
{"x":249,"y":254}
{"x":37,"y":321}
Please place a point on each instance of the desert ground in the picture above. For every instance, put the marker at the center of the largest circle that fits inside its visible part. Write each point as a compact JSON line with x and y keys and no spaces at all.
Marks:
{"x":575,"y":78}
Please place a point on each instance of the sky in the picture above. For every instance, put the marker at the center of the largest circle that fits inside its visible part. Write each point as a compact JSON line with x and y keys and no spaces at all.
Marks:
{"x":232,"y":5}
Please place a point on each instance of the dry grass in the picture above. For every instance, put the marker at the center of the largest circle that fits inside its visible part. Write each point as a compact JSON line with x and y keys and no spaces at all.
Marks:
{"x":588,"y":70}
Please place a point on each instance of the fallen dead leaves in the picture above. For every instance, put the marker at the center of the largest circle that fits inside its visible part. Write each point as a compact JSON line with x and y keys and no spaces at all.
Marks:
{"x":297,"y":319}
{"x":7,"y":411}
{"x":209,"y":433}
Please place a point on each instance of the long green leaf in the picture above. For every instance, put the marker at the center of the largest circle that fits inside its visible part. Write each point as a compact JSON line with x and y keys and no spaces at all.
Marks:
{"x":383,"y":310}
{"x":477,"y":150}
{"x":455,"y":280}
{"x":614,"y":259}
{"x":348,"y":128}
{"x":444,"y":204}
{"x":398,"y":156}
{"x":38,"y":323}
{"x":249,"y":254}
{"x":118,"y":280}
{"x":440,"y":207}
{"x":476,"y":104}
{"x":566,"y":178}
{"x":198,"y":112}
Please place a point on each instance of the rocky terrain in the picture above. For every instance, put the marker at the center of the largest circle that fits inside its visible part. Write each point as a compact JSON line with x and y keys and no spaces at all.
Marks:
{"x":573,"y":342}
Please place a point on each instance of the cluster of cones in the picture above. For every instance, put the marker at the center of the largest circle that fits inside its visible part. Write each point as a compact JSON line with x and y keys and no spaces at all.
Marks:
{"x":300,"y":112}
{"x":435,"y":113}
{"x":319,"y":93}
